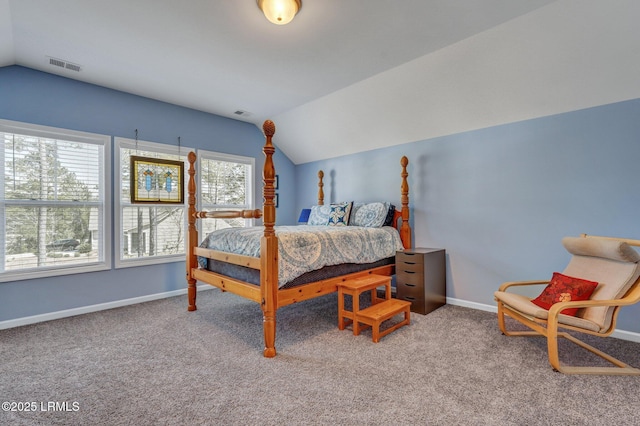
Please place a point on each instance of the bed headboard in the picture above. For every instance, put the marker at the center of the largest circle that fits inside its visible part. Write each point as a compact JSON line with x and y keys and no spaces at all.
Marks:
{"x":403,"y":214}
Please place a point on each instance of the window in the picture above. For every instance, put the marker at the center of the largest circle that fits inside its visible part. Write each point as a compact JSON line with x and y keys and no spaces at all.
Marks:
{"x":53,"y":189}
{"x":225,"y":183}
{"x":147,"y":233}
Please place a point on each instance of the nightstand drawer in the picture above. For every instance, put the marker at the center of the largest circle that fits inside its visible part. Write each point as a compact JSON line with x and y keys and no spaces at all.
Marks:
{"x":410,"y":276}
{"x":414,"y":290}
{"x":422,"y":306}
{"x":417,"y":304}
{"x":413,"y":262}
{"x":409,"y":268}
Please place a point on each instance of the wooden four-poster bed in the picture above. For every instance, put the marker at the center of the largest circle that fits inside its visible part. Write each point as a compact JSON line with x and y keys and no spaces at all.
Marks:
{"x":266,"y":290}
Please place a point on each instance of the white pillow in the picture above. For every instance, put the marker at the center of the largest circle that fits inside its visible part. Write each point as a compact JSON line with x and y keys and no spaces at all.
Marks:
{"x":371,"y":215}
{"x":319,"y":215}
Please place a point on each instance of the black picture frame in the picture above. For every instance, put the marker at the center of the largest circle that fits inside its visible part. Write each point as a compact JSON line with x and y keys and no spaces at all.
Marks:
{"x":276,"y":183}
{"x":276,"y":200}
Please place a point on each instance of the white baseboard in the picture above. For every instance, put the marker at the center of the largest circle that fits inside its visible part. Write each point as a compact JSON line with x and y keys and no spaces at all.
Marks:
{"x":472,"y":305}
{"x":626,"y":335}
{"x":619,"y":334}
{"x":93,"y":308}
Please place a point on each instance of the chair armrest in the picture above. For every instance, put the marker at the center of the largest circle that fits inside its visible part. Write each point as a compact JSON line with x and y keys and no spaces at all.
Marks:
{"x":508,"y":284}
{"x":556,"y":308}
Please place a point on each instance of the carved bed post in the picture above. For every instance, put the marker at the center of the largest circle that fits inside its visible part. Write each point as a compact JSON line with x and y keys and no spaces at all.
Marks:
{"x":320,"y":191}
{"x":405,"y":230}
{"x":269,"y":246}
{"x":192,"y":233}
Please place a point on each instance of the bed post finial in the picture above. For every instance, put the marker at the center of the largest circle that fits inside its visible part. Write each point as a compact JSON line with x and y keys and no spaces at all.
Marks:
{"x":405,"y":230}
{"x":269,"y":128}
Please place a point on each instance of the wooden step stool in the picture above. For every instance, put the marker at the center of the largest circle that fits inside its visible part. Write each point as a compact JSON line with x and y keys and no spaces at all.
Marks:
{"x":354,"y":287}
{"x":380,"y":309}
{"x":375,"y":315}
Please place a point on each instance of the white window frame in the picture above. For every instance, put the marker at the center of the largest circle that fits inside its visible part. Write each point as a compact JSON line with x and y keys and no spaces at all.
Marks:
{"x":250,"y":190}
{"x":124,"y":143}
{"x":104,"y":205}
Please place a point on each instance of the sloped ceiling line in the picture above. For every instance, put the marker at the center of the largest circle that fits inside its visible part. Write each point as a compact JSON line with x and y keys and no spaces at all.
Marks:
{"x":343,"y":77}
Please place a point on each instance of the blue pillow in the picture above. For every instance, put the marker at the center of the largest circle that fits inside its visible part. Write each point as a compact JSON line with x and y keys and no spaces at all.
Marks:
{"x":339,"y":214}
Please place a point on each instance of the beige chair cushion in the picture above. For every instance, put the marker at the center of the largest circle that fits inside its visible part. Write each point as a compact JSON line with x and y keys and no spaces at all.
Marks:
{"x":608,"y":249}
{"x":524,"y":305}
{"x":613,"y":264}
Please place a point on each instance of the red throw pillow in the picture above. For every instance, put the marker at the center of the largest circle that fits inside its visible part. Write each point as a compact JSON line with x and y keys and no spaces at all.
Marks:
{"x":563,"y":288}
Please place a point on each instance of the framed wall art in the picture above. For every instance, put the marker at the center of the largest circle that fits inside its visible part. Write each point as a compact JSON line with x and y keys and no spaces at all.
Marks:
{"x":157,"y":181}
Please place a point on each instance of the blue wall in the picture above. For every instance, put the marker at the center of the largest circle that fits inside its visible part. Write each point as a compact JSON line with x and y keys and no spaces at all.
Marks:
{"x":45,"y":99}
{"x":499,"y":200}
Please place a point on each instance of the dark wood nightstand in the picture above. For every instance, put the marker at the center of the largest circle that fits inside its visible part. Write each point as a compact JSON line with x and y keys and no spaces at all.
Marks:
{"x":421,"y":279}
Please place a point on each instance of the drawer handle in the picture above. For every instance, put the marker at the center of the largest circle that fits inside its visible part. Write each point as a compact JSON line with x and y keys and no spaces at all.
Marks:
{"x":410,"y":263}
{"x":410,"y":298}
{"x":409,"y":285}
{"x":410,"y":272}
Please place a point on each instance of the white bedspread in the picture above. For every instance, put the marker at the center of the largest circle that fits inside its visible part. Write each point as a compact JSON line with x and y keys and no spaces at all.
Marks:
{"x":306,"y":248}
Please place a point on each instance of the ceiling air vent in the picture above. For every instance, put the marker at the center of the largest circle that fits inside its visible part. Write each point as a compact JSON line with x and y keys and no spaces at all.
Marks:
{"x":64,"y":64}
{"x":73,"y":67}
{"x":56,"y":62}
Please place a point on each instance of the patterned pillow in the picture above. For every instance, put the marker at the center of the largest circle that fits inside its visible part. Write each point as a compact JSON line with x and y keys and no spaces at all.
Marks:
{"x":371,"y":215}
{"x":354,"y":209}
{"x":563,"y":288}
{"x":339,"y":215}
{"x":319,"y":215}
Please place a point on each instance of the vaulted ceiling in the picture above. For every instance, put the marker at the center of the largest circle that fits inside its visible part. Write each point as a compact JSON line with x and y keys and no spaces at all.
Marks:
{"x":344,"y":76}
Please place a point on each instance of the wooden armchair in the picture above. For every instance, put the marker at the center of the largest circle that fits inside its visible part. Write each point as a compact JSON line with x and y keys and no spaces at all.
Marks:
{"x":615,"y":266}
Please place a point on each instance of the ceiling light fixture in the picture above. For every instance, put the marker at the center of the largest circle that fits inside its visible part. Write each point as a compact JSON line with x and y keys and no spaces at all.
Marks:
{"x":280,"y":12}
